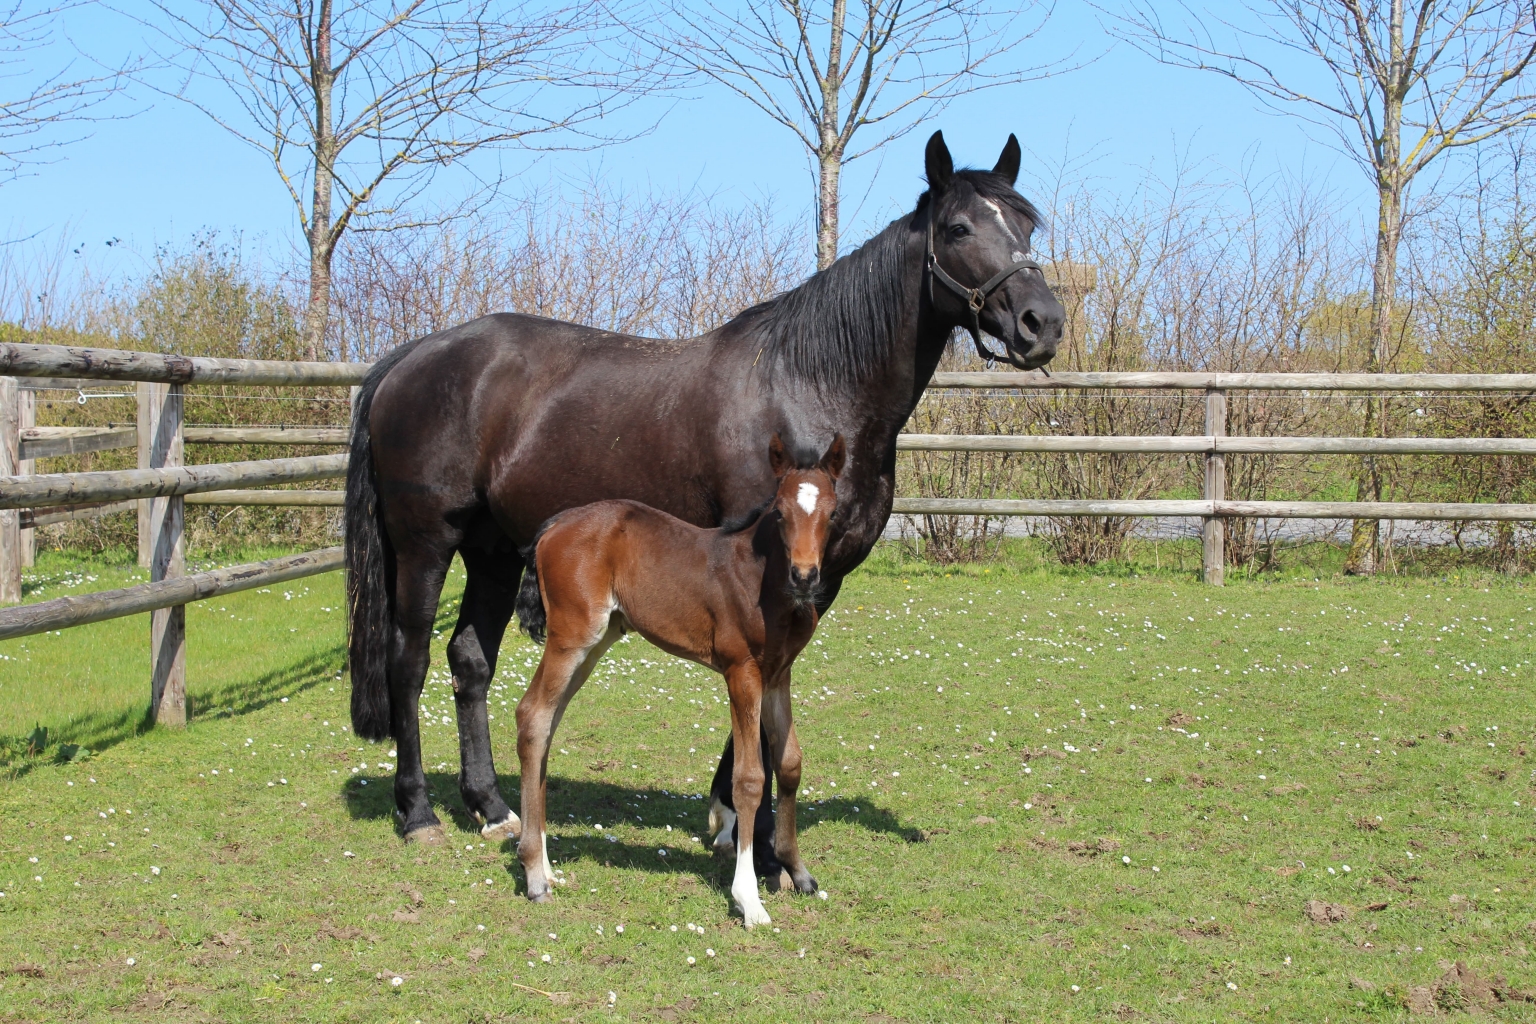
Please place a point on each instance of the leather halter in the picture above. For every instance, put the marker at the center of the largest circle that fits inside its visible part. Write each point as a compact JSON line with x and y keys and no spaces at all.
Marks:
{"x":975,"y":298}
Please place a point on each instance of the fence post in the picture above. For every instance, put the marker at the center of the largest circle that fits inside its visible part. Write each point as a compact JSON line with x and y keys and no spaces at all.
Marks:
{"x":1213,"y":531}
{"x":160,"y":443}
{"x":27,"y":417}
{"x":10,"y":519}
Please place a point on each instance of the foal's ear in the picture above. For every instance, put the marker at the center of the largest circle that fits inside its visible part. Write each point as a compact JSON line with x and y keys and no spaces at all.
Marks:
{"x":938,"y":165}
{"x":1008,"y":163}
{"x":837,"y":454}
{"x":778,"y":458}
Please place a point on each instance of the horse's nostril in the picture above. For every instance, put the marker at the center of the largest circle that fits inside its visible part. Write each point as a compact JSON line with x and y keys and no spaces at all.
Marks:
{"x":1030,"y":322}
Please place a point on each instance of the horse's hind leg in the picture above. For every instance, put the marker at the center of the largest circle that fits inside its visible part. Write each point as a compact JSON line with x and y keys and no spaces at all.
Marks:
{"x":419,"y":574}
{"x":784,"y":755}
{"x":570,"y":653}
{"x":488,"y":598}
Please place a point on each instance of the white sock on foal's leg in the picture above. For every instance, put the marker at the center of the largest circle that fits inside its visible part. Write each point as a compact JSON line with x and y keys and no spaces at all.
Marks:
{"x":744,"y":889}
{"x":549,"y":871}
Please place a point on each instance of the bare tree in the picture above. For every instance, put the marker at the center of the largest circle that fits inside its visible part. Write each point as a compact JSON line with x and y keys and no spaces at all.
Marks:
{"x":350,"y":98}
{"x":1399,"y":89}
{"x":825,"y":72}
{"x":30,"y":117}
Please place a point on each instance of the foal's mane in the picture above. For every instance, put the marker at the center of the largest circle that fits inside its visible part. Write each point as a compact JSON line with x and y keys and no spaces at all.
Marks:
{"x":841,"y":323}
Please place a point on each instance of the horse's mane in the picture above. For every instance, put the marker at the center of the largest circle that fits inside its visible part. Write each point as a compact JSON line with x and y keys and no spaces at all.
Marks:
{"x":842,"y":322}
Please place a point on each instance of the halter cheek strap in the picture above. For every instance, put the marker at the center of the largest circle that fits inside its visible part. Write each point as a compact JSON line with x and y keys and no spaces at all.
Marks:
{"x":975,"y":298}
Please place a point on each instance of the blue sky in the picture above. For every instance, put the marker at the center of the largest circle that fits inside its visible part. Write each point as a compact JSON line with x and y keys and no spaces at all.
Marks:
{"x":167,"y":171}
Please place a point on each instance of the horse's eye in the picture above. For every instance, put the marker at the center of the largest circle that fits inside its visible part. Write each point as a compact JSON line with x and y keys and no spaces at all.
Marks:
{"x":958,"y":231}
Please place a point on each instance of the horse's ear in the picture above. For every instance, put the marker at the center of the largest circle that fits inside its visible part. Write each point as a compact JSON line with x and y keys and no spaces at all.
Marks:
{"x":938,"y":165}
{"x":1008,"y":163}
{"x":837,"y":454}
{"x":778,"y":458}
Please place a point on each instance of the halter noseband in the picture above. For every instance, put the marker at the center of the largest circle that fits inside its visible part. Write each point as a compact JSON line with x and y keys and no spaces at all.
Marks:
{"x":975,"y":298}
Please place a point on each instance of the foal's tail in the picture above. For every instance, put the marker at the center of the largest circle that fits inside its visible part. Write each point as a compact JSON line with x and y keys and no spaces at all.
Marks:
{"x":370,"y":571}
{"x":530,"y":599}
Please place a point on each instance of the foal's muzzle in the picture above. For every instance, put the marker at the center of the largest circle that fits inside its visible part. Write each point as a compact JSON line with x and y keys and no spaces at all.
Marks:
{"x":804,"y":585}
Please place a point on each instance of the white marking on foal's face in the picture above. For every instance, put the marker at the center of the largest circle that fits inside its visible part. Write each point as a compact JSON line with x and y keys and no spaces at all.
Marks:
{"x":806,"y":497}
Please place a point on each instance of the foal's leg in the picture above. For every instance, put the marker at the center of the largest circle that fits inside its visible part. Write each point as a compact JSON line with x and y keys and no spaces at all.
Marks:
{"x":784,"y":755}
{"x":419,"y":574}
{"x":746,"y":689}
{"x":566,"y":664}
{"x":489,"y":595}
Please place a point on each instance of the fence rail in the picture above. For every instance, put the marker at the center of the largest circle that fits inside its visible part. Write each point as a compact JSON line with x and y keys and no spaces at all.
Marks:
{"x":1440,"y":511}
{"x":83,"y":609}
{"x":120,"y":484}
{"x":1201,"y":381}
{"x":99,"y":364}
{"x":1226,"y":445}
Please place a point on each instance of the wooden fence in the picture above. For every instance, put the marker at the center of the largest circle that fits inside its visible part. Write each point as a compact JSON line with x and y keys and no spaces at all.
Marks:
{"x":1216,"y":446}
{"x":159,"y":489}
{"x":162,"y":485}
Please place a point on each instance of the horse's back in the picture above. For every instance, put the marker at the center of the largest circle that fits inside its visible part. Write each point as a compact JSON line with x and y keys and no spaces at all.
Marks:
{"x":525,"y":417}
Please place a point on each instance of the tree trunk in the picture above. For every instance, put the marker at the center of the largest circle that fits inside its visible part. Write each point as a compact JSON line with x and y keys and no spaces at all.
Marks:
{"x":830,"y":175}
{"x":830,"y":143}
{"x":1387,"y":158}
{"x":322,"y":242}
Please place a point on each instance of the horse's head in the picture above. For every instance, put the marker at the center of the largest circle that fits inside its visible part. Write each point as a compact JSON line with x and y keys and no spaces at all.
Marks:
{"x":806,"y":499}
{"x":979,"y":269}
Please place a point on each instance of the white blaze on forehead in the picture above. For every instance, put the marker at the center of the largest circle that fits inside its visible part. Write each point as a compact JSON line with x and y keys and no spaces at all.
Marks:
{"x":806,"y":498}
{"x":1001,"y":220}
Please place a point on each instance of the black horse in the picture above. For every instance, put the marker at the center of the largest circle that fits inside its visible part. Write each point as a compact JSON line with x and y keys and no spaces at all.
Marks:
{"x":467,"y":440}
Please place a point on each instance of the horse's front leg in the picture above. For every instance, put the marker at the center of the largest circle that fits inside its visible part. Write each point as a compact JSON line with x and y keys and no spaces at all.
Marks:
{"x":489,"y":596}
{"x":784,"y":755}
{"x":745,"y":684}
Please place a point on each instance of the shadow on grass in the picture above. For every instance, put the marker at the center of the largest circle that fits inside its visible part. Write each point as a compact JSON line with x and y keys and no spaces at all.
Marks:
{"x":101,"y":730}
{"x":370,"y":798}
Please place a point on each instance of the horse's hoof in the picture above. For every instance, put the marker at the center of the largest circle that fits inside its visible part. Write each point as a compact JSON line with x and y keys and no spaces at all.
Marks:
{"x":511,"y":828}
{"x":428,"y":835}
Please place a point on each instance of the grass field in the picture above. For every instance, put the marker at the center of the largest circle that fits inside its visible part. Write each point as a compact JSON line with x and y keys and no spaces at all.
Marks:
{"x":1031,"y":795}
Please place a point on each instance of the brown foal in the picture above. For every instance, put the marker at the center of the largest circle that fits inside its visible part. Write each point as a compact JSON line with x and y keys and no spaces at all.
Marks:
{"x":740,"y":600}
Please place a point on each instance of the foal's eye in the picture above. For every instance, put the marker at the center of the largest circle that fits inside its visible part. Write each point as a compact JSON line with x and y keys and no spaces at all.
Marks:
{"x":958,"y":231}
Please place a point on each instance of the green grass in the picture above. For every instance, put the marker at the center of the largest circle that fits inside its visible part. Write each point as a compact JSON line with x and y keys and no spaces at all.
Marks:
{"x":983,"y":882}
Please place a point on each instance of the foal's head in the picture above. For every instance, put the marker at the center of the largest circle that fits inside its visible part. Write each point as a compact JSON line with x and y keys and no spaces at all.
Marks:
{"x":805,"y":501}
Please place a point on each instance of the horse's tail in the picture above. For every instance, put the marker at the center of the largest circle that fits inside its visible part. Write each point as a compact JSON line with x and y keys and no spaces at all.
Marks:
{"x":370,"y":570}
{"x":530,"y":598}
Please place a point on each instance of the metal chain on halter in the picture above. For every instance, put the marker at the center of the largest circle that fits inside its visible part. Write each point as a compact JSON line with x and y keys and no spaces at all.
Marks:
{"x":975,"y":298}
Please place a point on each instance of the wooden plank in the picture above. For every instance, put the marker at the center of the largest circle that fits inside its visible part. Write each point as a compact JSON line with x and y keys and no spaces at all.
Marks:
{"x":26,"y":420}
{"x":65,"y":513}
{"x":10,"y":464}
{"x":267,"y":435}
{"x":318,"y":499}
{"x":68,"y":384}
{"x":116,"y":485}
{"x":117,"y":364}
{"x":1196,"y":444}
{"x":1243,"y":381}
{"x":82,"y":609}
{"x":50,"y":442}
{"x":1474,"y":512}
{"x":1213,"y":531}
{"x":167,"y":558}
